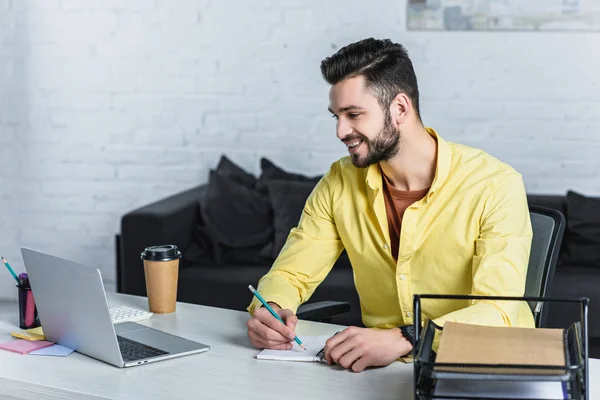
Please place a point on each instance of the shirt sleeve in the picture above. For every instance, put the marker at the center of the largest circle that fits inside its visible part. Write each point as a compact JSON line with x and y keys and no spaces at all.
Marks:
{"x":309,"y":253}
{"x":501,"y":257}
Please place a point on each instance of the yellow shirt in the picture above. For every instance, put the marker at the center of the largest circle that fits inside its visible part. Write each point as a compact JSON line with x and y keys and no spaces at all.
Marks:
{"x":471,"y":234}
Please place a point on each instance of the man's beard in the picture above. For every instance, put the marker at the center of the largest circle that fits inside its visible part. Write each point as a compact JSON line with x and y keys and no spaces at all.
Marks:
{"x":382,"y":148}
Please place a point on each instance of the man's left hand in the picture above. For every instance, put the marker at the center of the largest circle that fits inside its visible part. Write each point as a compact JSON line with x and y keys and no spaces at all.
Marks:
{"x":358,"y":348}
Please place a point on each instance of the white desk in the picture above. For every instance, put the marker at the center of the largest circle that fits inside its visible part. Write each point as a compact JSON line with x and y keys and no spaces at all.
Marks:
{"x":227,"y":371}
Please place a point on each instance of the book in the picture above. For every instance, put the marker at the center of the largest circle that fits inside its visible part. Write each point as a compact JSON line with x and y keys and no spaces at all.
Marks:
{"x":314,"y":351}
{"x":493,"y":346}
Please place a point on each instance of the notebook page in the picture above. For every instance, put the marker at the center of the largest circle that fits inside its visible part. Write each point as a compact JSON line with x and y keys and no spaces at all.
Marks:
{"x":313,"y":345}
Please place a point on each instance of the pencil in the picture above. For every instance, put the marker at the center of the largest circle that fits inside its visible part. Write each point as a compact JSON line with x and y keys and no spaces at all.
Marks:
{"x":10,"y":269}
{"x":273,"y":313}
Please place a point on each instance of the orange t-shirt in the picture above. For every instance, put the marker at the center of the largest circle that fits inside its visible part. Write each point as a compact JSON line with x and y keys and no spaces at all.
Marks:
{"x":396,"y":202}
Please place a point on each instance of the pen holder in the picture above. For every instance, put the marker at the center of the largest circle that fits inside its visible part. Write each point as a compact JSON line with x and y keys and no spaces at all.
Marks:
{"x":28,"y":315}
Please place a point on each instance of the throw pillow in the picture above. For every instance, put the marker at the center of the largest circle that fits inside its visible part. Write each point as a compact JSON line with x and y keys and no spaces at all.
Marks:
{"x":228,"y":169}
{"x":271,"y":171}
{"x":583,"y":230}
{"x":287,"y":199}
{"x":204,"y":251}
{"x":235,"y":215}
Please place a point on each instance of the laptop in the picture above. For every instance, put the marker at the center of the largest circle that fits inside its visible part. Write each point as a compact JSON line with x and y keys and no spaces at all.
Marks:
{"x":74,"y":312}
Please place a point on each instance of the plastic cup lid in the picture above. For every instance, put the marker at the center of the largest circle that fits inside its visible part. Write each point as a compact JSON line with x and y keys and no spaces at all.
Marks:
{"x":166,"y":252}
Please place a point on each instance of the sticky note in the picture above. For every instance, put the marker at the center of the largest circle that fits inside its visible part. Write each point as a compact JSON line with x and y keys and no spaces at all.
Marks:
{"x":24,"y":346}
{"x":57,"y":350}
{"x":29,"y":334}
{"x":26,"y":336}
{"x":35,"y":331}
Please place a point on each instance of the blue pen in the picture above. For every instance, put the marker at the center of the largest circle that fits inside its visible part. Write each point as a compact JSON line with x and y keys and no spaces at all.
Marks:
{"x":10,"y":269}
{"x":268,"y":307}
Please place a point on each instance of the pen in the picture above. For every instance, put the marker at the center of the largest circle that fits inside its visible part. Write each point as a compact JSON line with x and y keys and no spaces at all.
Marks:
{"x":268,"y":307}
{"x":10,"y":269}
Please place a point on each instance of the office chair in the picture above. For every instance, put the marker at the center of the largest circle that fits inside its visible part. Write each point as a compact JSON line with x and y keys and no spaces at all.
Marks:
{"x":548,"y":226}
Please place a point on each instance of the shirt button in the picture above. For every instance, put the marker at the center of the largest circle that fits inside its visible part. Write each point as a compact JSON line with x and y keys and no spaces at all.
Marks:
{"x":402,"y":277}
{"x":409,"y":314}
{"x":385,"y":246}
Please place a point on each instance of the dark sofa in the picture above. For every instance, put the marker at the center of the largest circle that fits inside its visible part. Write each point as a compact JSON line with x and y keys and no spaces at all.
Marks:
{"x":173,"y":221}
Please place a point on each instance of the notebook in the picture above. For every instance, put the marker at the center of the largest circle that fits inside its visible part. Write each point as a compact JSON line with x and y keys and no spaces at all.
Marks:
{"x":314,"y":351}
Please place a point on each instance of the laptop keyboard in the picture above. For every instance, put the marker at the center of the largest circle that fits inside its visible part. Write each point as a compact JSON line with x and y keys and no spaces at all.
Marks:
{"x":132,"y":350}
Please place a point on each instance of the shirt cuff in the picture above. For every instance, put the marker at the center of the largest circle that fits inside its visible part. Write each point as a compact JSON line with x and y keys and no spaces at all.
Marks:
{"x":282,"y":301}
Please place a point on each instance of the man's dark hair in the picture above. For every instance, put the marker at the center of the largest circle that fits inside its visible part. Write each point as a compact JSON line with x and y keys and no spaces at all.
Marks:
{"x":384,"y":64}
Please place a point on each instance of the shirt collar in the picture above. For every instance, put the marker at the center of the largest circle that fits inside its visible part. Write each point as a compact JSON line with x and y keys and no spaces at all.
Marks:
{"x":444,"y":158}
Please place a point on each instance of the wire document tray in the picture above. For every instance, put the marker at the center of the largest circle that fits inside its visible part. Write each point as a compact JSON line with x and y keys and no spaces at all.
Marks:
{"x":429,"y":374}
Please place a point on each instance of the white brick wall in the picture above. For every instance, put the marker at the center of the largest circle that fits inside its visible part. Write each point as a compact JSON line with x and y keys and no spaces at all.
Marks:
{"x":11,"y":85}
{"x":108,"y":105}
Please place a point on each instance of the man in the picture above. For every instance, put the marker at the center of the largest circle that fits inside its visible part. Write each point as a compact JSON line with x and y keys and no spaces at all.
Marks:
{"x":416,"y":214}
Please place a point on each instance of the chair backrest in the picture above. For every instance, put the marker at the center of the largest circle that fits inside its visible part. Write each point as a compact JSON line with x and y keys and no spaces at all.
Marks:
{"x":548,"y":227}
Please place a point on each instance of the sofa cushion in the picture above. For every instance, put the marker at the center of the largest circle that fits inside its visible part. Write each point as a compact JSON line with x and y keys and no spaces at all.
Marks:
{"x":224,"y":286}
{"x":235,"y":215}
{"x":582,"y":243}
{"x":270,"y":171}
{"x":575,"y":281}
{"x":204,"y":250}
{"x":234,"y":172}
{"x":287,"y":200}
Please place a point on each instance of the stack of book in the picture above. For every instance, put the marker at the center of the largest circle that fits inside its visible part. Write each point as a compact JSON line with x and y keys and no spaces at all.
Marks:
{"x":484,"y":362}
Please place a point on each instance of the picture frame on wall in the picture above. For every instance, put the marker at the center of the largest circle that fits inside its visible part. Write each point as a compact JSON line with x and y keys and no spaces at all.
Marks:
{"x":504,"y":15}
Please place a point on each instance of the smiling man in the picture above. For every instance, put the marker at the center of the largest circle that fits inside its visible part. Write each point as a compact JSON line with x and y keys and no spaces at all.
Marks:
{"x":416,"y":214}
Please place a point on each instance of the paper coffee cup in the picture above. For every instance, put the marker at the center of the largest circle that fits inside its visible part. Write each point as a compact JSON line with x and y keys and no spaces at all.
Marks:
{"x":161,"y":268}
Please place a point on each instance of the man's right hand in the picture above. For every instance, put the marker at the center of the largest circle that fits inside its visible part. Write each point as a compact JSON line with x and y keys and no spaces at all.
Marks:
{"x":266,"y":332}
